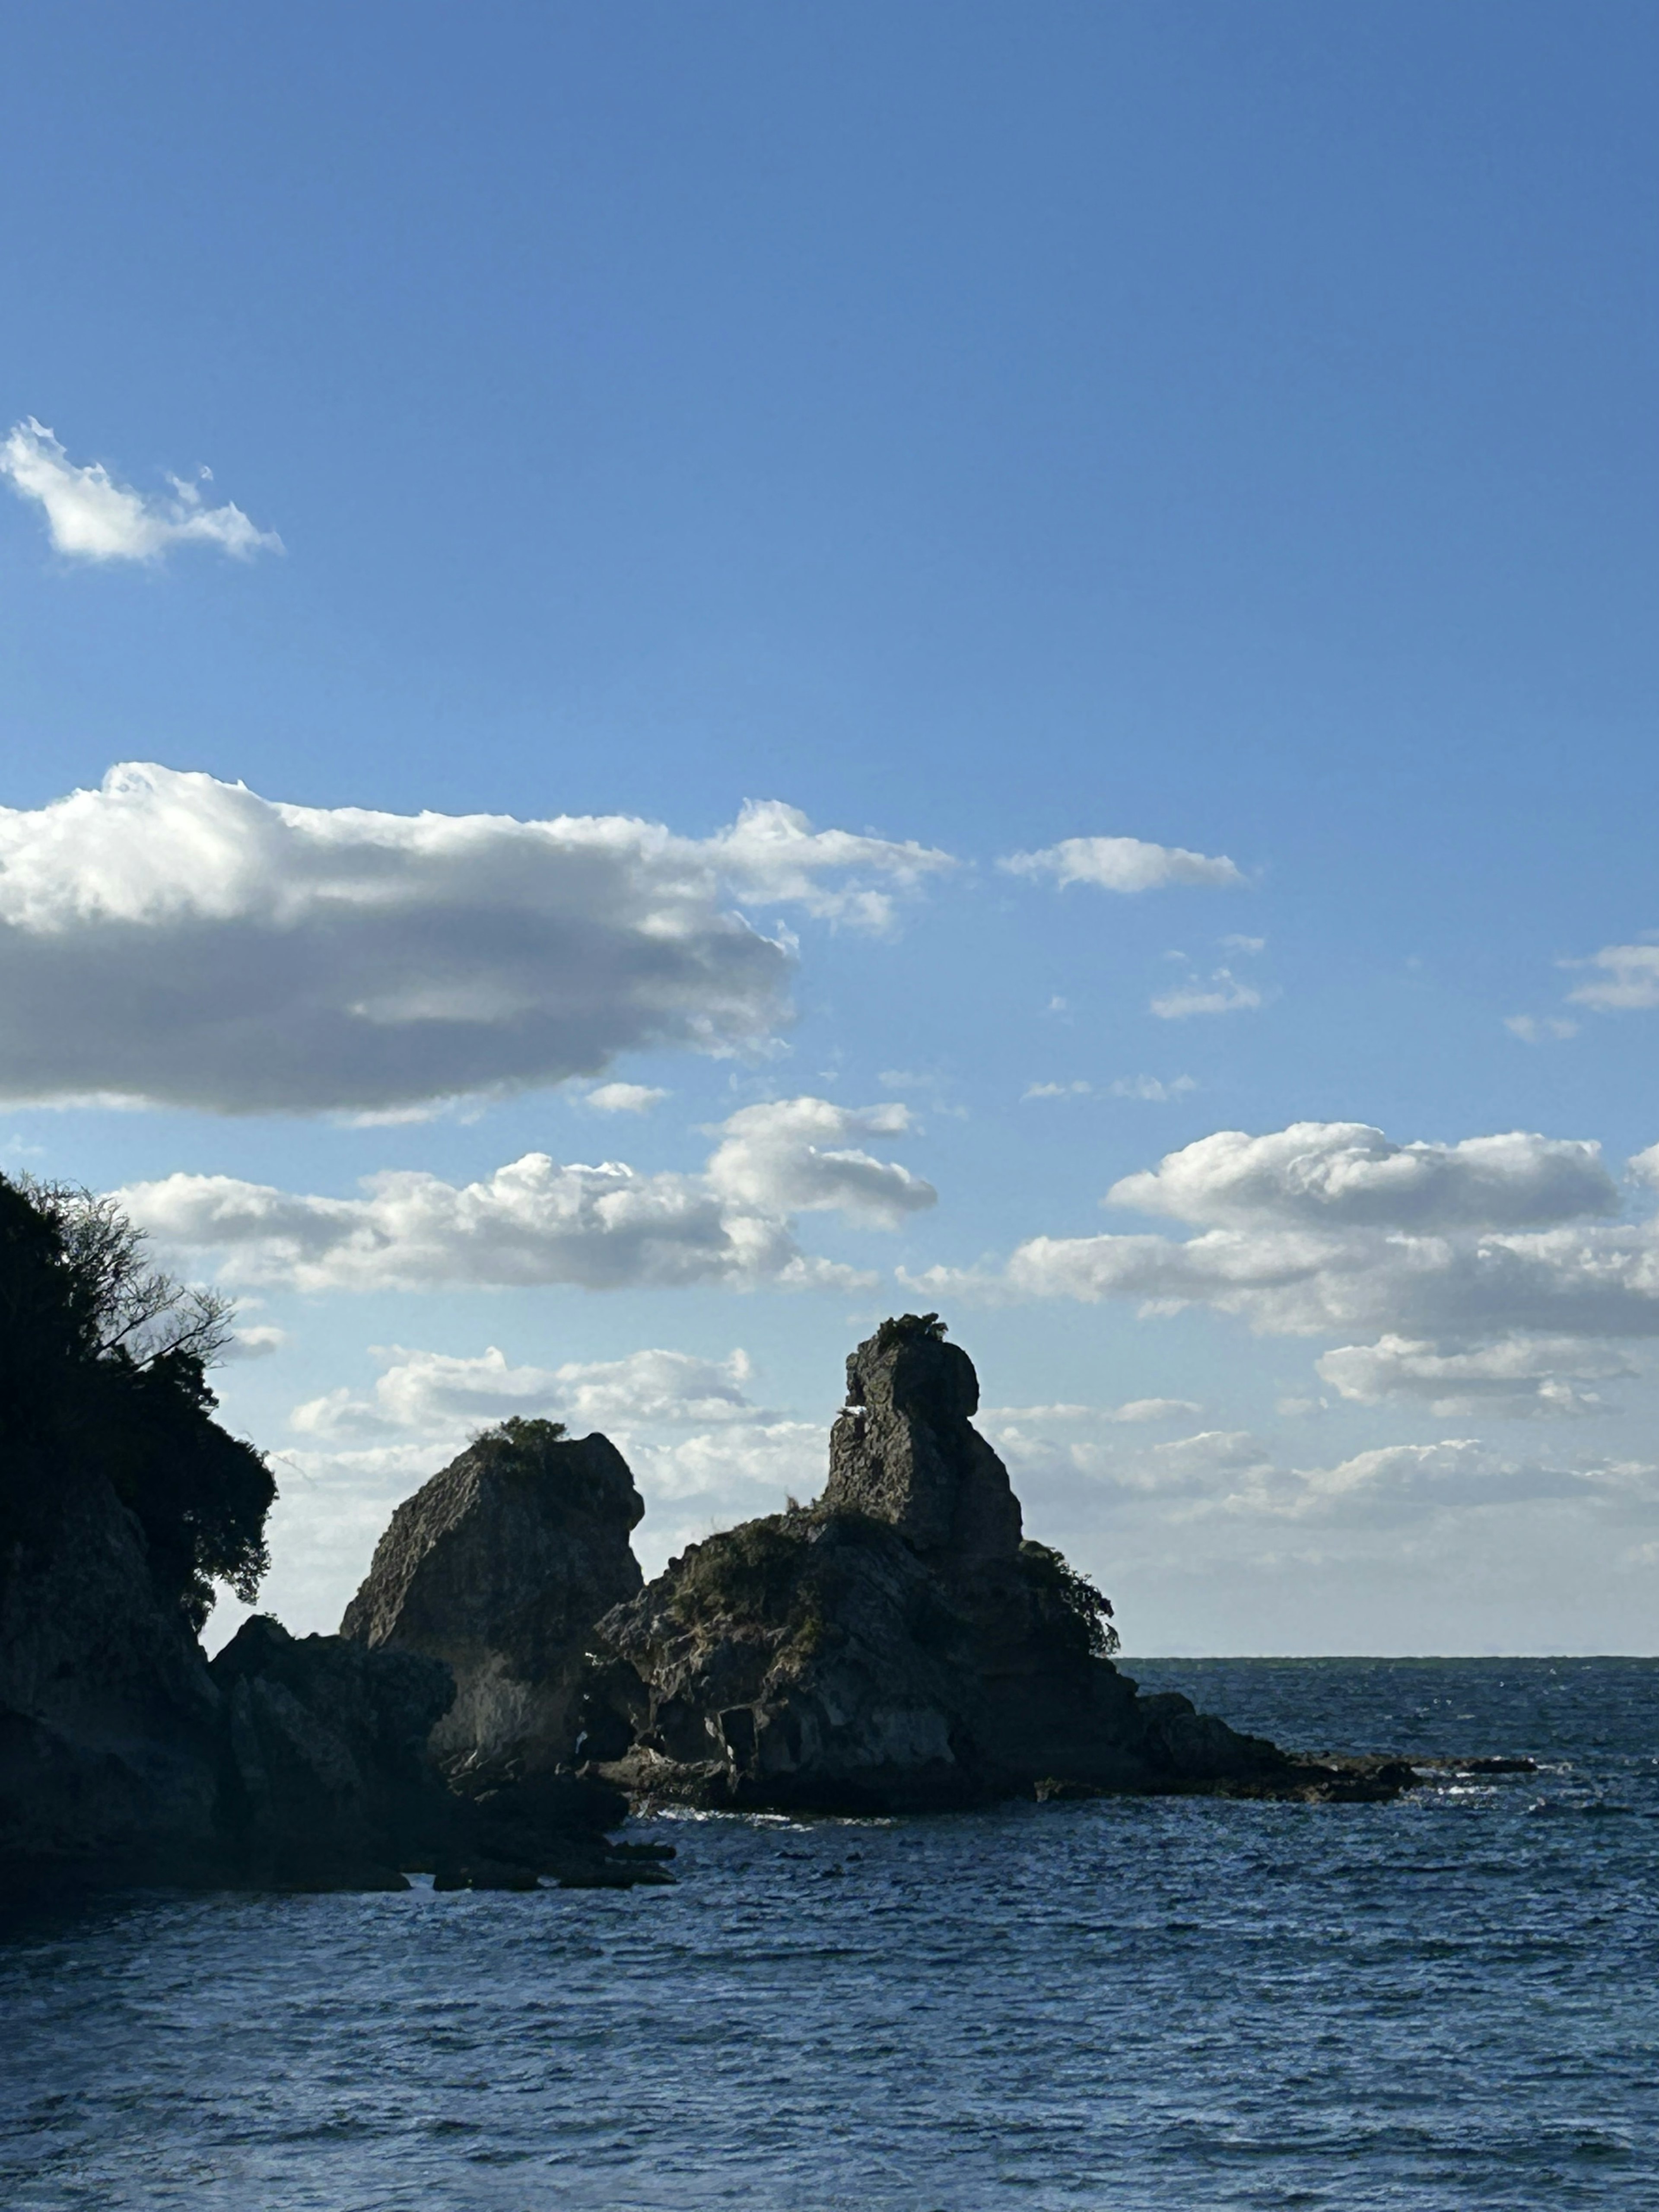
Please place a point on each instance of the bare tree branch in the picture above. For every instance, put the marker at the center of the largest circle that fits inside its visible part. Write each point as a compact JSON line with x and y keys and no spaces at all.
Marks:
{"x":133,"y":1308}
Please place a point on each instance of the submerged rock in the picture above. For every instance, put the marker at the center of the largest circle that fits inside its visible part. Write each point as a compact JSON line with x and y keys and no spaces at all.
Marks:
{"x":499,"y":1565}
{"x":896,"y":1645}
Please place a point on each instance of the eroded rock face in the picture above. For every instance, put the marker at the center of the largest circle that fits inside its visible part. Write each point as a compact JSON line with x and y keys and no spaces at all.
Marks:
{"x":896,"y":1645}
{"x":499,"y":1566}
{"x":904,"y":1450}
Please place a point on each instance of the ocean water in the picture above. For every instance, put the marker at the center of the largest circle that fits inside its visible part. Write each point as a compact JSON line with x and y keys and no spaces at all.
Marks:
{"x":1451,"y":2001}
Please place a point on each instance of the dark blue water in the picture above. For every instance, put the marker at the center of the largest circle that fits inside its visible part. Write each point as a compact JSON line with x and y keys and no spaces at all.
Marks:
{"x":1452,"y":2001}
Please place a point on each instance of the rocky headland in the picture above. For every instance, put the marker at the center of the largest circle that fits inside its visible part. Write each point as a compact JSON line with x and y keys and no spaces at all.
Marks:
{"x":505,"y":1685}
{"x":126,"y":1757}
{"x":899,"y":1645}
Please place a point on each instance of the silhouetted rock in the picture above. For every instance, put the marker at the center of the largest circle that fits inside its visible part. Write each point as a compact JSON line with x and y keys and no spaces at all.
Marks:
{"x":896,"y":1645}
{"x":328,"y":1783}
{"x":499,"y":1566}
{"x":108,"y":1715}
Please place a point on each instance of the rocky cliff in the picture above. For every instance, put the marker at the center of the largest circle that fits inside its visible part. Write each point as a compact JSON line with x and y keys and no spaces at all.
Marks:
{"x":107,"y":1712}
{"x":898,"y":1645}
{"x":288,"y":1762}
{"x":498,"y":1566}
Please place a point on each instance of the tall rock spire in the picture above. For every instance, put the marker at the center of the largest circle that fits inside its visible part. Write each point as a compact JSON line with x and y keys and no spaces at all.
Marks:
{"x":904,"y":1451}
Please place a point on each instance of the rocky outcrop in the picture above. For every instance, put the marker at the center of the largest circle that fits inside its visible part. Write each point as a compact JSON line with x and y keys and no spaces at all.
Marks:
{"x":499,"y":1566}
{"x":326,"y":1784}
{"x":898,"y":1645}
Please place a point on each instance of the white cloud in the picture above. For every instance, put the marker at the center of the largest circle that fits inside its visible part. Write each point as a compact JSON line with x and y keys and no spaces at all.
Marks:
{"x":772,"y":852}
{"x":1122,"y":863}
{"x":536,"y":1221}
{"x":258,"y":1342}
{"x":1231,"y":1473}
{"x":1222,"y":994}
{"x":623,"y":1099}
{"x":1514,"y":1377}
{"x":1539,"y":1029}
{"x":1628,"y":978}
{"x":93,"y":517}
{"x":1133,"y":1410}
{"x":1453,"y":1254}
{"x":180,"y":941}
{"x":1347,"y":1171}
{"x":789,"y":1157}
{"x":445,"y":1395}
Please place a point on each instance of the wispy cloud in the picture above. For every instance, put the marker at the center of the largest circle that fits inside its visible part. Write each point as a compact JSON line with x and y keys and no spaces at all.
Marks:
{"x":1539,"y":1029}
{"x":1627,"y":977}
{"x":1152,"y":1088}
{"x":1222,"y":993}
{"x":91,"y":517}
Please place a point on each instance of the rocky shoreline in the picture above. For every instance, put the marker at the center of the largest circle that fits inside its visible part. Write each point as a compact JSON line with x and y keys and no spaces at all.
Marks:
{"x":506,"y":1686}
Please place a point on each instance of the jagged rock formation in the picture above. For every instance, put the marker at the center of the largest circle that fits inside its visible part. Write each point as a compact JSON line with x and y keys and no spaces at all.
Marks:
{"x":499,"y":1566}
{"x":124,"y":1757}
{"x":904,"y":1452}
{"x":327,"y":1782}
{"x":896,"y":1645}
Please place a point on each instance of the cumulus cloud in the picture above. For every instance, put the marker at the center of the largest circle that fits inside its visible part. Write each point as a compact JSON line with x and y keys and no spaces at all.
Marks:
{"x":179,"y":941}
{"x":258,"y":1342}
{"x":536,"y":1221}
{"x":772,"y":853}
{"x":1434,"y":1252}
{"x":1348,"y":1172}
{"x":93,"y":517}
{"x":1122,"y":863}
{"x":1517,"y":1375}
{"x":439,"y":1393}
{"x":790,"y":1156}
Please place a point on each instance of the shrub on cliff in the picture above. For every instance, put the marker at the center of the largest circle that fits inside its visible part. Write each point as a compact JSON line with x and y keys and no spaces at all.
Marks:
{"x":1082,"y":1613}
{"x":102,"y":1361}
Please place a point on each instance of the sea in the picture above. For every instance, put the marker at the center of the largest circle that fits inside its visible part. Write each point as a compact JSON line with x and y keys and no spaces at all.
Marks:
{"x":1182,"y":2003}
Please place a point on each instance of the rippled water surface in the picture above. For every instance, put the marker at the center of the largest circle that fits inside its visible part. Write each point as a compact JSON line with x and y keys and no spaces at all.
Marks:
{"x":1452,"y":2001}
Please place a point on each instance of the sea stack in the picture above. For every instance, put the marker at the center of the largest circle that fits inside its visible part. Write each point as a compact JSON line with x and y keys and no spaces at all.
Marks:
{"x":897,"y":1644}
{"x":499,"y":1565}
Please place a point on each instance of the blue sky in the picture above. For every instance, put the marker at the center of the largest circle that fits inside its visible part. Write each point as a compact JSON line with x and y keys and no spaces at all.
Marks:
{"x":977,"y":430}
